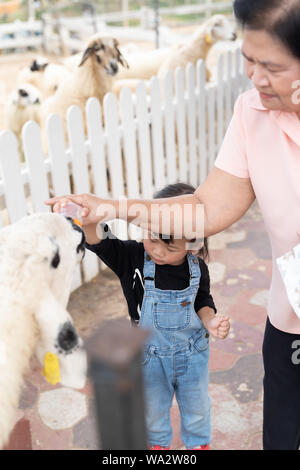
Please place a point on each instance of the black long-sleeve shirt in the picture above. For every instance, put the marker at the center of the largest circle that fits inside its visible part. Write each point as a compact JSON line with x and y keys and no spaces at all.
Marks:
{"x":126,"y":260}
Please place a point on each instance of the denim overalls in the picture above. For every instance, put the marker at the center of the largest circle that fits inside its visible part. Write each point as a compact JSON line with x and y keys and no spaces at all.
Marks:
{"x":175,"y":360}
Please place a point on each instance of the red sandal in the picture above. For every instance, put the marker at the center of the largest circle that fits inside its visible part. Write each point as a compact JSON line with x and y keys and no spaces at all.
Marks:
{"x":158,"y":448}
{"x":204,"y":447}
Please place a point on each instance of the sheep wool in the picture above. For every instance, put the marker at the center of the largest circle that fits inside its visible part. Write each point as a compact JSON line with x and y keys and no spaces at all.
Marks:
{"x":38,"y":256}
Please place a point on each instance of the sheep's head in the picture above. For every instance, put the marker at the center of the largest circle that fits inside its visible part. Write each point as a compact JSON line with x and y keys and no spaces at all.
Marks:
{"x":107,"y":54}
{"x":43,"y":251}
{"x":218,"y":28}
{"x":26,"y":95}
{"x":38,"y":257}
{"x":39,"y":64}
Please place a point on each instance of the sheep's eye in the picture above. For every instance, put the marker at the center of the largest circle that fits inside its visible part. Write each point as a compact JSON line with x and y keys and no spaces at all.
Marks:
{"x":55,"y":260}
{"x":102,"y":47}
{"x":23,"y":93}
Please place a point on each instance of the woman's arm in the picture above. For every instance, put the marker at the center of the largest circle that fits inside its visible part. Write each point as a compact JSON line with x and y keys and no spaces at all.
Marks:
{"x":219,"y":202}
{"x":226,"y":198}
{"x":222,"y":200}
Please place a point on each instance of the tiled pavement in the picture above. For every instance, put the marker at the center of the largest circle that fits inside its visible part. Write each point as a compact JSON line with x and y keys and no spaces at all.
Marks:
{"x":54,"y":417}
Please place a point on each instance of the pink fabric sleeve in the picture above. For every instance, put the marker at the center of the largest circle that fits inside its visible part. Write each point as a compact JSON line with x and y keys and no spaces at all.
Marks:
{"x":232,"y":155}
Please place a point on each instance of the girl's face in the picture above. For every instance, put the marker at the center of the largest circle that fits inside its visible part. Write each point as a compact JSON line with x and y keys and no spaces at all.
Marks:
{"x":173,"y":253}
{"x":274,"y":71}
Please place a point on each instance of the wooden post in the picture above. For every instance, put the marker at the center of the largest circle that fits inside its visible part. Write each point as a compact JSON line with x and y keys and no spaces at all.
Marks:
{"x":115,"y":368}
{"x":31,"y":10}
{"x":125,"y":8}
{"x":208,"y":10}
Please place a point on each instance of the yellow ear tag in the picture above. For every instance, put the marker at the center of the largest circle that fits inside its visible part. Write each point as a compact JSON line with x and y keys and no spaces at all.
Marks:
{"x":77,"y":222}
{"x":207,"y":38}
{"x":51,"y":370}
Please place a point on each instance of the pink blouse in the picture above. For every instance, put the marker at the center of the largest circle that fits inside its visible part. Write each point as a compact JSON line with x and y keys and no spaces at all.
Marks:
{"x":264,"y":146}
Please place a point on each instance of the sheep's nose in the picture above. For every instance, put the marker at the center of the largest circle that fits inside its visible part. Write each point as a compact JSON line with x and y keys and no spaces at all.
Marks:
{"x":67,"y":337}
{"x":234,"y":36}
{"x":22,"y":92}
{"x":114,"y":66}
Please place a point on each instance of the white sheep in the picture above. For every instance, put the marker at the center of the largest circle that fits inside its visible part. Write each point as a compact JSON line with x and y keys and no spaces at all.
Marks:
{"x":221,"y":48}
{"x":216,"y":28}
{"x":23,"y":104}
{"x":34,"y":72}
{"x":143,"y":66}
{"x":38,"y":256}
{"x":44,"y":75}
{"x":93,"y":77}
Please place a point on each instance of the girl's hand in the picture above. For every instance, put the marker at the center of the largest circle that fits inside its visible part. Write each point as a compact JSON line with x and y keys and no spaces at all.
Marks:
{"x":94,"y":209}
{"x":219,"y":326}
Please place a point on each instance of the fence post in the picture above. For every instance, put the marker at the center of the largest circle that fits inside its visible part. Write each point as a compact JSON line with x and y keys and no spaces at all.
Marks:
{"x":114,"y":353}
{"x":208,"y":10}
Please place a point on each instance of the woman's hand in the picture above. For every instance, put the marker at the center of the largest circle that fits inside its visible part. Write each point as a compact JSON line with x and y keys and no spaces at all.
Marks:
{"x":94,"y":209}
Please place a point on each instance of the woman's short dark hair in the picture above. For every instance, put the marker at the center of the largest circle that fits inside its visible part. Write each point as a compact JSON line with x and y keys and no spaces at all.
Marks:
{"x":180,"y":189}
{"x":280,"y":18}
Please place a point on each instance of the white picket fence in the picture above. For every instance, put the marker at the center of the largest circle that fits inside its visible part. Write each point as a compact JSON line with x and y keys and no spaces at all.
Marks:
{"x":144,"y":144}
{"x":21,"y":34}
{"x":68,"y":34}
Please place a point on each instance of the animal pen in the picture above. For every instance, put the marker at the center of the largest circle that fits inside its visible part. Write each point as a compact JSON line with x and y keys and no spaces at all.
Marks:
{"x":132,"y":147}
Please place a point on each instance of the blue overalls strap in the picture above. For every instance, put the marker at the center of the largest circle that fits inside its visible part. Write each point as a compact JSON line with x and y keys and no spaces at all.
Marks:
{"x":194,"y":268}
{"x":149,"y":271}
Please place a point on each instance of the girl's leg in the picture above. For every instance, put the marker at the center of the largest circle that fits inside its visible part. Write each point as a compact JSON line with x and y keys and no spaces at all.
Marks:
{"x":159,"y":393}
{"x":193,"y":400}
{"x":281,"y":430}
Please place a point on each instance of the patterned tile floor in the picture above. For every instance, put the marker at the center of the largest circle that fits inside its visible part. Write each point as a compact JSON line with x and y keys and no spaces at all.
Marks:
{"x":240,"y":267}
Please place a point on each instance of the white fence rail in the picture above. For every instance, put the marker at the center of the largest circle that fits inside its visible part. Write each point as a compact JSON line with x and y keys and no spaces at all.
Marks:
{"x":21,"y":34}
{"x":69,"y":33}
{"x":135,"y":148}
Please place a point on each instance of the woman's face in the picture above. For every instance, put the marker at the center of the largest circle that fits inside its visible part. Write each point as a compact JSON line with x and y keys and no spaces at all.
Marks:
{"x":274,"y":71}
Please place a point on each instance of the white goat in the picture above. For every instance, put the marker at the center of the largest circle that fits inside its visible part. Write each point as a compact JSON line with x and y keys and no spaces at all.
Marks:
{"x":93,"y":77}
{"x":38,"y":256}
{"x":23,"y":104}
{"x":216,"y":28}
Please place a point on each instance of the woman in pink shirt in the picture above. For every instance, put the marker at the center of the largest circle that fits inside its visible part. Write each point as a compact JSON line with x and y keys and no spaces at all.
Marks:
{"x":259,"y":159}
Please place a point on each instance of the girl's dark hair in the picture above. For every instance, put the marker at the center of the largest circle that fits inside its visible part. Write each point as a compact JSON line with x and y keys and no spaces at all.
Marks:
{"x":180,"y":189}
{"x":280,"y":18}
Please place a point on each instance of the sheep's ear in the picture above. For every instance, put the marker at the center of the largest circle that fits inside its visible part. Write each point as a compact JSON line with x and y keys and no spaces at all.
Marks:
{"x":36,"y":67}
{"x":120,"y":57}
{"x":42,"y":67}
{"x":87,"y":53}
